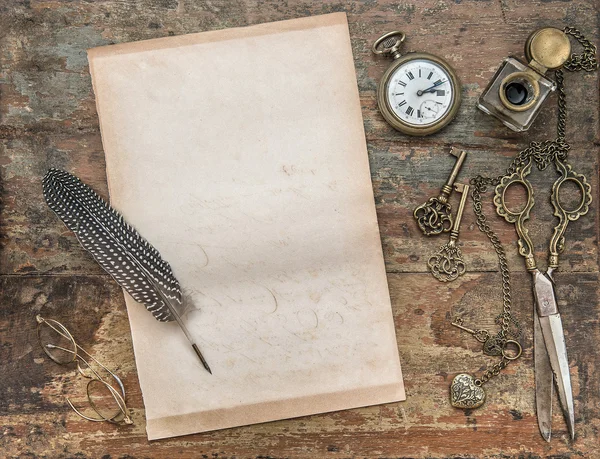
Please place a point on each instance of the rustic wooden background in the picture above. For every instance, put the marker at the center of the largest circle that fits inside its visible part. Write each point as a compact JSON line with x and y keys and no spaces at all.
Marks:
{"x":48,"y":118}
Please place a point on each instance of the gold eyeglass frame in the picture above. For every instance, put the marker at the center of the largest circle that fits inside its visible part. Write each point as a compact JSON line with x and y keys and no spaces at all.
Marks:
{"x":121,"y":415}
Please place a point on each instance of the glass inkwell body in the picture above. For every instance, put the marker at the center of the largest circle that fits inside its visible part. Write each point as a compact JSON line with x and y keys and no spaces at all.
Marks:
{"x":517,"y":90}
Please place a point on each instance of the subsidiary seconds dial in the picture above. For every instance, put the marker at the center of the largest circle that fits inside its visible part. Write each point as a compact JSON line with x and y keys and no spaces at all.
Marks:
{"x":419,"y":94}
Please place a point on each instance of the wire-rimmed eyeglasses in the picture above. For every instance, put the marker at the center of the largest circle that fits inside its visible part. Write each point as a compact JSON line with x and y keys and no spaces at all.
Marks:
{"x":106,"y":400}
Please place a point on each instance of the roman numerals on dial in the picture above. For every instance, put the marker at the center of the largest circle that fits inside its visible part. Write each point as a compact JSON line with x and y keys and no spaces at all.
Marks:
{"x":420,"y":92}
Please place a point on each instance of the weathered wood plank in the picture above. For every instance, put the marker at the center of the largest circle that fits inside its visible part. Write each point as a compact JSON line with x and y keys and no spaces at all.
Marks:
{"x":403,"y":177}
{"x":34,"y":417}
{"x":46,"y":85}
{"x":34,"y":239}
{"x":57,"y":127}
{"x":48,"y":118}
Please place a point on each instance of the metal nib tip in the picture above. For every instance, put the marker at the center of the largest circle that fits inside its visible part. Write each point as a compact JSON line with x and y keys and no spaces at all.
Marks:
{"x":201,"y":357}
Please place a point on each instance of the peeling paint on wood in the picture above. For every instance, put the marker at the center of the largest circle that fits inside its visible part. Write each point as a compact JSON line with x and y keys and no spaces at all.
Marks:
{"x":48,"y":119}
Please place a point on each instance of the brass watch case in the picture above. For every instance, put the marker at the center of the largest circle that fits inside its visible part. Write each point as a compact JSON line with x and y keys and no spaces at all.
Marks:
{"x":398,"y":123}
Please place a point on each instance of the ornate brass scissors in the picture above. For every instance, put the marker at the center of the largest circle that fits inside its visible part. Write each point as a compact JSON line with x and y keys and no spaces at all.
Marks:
{"x":550,"y":349}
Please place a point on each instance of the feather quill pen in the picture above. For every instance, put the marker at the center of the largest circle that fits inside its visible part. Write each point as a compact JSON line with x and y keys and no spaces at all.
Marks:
{"x":131,"y":260}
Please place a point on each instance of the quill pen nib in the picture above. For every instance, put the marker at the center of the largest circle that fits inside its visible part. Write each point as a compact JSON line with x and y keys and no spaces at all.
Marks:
{"x":199,"y":354}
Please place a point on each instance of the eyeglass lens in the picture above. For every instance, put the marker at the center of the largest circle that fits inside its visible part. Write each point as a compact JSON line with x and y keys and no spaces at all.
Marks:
{"x":56,"y":341}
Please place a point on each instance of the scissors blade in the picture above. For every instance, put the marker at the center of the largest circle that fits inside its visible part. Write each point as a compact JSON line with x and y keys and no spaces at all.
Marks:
{"x":554,"y":338}
{"x":544,"y":381}
{"x":557,"y":352}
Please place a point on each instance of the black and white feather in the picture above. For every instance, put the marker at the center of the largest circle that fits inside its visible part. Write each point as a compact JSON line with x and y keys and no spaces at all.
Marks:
{"x":135,"y":264}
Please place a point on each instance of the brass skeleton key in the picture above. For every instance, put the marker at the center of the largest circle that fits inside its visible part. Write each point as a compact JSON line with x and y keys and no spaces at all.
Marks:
{"x":480,"y":335}
{"x":448,"y":264}
{"x":435,"y":215}
{"x":492,"y":345}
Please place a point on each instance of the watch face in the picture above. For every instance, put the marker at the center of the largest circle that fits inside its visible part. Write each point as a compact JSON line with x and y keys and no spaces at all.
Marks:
{"x":420,"y":92}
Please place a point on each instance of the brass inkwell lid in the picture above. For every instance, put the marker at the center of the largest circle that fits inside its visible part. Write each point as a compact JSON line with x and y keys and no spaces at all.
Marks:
{"x":547,"y":49}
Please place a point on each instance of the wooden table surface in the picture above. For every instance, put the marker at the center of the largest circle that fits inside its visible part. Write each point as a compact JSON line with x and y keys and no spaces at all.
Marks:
{"x":48,"y":119}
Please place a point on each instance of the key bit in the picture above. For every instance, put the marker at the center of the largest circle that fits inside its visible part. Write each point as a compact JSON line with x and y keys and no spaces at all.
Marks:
{"x":448,"y":264}
{"x":435,"y":215}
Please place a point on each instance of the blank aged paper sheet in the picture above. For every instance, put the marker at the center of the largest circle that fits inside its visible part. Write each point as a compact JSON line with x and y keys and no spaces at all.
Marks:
{"x":240,"y":155}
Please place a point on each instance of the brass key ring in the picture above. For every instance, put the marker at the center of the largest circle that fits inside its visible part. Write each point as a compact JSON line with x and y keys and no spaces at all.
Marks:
{"x":505,"y":353}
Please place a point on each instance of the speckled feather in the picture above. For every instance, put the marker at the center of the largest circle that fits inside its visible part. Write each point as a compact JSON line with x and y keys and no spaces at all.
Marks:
{"x":135,"y":264}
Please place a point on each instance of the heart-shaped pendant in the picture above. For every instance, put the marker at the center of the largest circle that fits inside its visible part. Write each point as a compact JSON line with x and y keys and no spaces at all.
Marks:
{"x":464,"y":393}
{"x":493,"y":346}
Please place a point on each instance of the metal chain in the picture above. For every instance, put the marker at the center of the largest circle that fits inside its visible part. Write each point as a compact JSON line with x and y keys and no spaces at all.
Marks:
{"x":587,"y":59}
{"x":491,"y":372}
{"x":480,"y":185}
{"x":542,"y":153}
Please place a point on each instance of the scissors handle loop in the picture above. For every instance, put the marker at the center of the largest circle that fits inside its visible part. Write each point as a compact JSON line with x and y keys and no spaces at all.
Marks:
{"x":518,"y":217}
{"x":567,"y":175}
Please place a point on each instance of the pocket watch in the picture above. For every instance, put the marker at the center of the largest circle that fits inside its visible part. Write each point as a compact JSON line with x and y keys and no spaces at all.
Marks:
{"x":419,"y":94}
